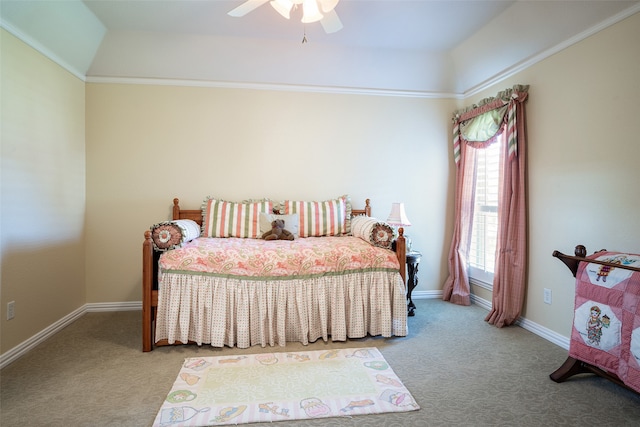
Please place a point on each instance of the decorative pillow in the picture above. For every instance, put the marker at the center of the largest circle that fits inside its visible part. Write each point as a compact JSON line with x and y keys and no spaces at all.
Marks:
{"x":172,"y":234}
{"x":371,"y":230}
{"x":326,"y":218}
{"x":291,"y":223}
{"x":232,"y":219}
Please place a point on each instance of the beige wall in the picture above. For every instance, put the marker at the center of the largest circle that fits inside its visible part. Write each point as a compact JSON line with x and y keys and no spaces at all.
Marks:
{"x":584,"y":179}
{"x":43,"y":192}
{"x":149,"y":144}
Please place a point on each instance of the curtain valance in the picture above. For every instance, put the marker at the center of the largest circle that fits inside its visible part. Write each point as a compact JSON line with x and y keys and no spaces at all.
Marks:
{"x":485,"y":127}
{"x":478,"y":125}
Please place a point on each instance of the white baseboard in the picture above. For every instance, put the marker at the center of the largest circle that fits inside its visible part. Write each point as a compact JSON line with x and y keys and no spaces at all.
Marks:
{"x":426,"y":294}
{"x":545,"y":333}
{"x":113,"y":306}
{"x":524,"y":323}
{"x":480,"y":302}
{"x":21,"y":349}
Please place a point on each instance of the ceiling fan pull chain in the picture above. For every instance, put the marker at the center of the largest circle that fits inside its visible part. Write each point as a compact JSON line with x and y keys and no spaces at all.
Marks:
{"x":304,"y":36}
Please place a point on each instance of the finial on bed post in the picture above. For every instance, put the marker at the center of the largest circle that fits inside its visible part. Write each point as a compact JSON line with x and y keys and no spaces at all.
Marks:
{"x":367,"y":207}
{"x":581,"y":251}
{"x":176,"y":208}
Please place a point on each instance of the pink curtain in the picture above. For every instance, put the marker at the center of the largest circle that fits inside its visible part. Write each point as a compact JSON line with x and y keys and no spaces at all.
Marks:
{"x":511,"y":252}
{"x":509,"y":280}
{"x":456,"y":287}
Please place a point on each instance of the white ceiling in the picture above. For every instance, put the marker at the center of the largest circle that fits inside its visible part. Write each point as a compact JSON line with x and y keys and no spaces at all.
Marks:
{"x":417,"y":47}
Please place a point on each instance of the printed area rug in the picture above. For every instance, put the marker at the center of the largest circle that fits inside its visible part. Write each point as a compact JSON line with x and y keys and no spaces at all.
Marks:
{"x":283,"y":386}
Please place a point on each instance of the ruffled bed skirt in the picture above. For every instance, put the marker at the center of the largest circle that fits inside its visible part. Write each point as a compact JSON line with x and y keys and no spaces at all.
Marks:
{"x":243,"y":313}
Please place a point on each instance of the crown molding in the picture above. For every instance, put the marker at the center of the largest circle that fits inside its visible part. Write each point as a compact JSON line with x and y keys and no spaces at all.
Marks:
{"x":268,"y":86}
{"x":523,"y":65}
{"x":42,"y":49}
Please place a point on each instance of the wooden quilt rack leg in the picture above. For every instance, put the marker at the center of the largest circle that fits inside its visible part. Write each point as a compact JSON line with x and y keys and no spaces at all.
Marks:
{"x":572,"y":367}
{"x":569,"y":368}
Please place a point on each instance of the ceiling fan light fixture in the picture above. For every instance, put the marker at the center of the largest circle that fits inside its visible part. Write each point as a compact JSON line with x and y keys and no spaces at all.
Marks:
{"x":283,"y":7}
{"x":310,"y":11}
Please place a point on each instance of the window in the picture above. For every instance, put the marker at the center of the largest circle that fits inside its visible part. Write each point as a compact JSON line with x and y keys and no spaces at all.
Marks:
{"x":482,"y":251}
{"x":468,"y":260}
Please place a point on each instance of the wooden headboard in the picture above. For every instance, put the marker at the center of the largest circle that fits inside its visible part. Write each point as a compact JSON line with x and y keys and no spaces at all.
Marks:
{"x":196,"y":214}
{"x":366,"y":211}
{"x":192,"y":214}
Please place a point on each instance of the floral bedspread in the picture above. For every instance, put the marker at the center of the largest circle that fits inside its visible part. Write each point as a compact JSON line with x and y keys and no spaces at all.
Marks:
{"x":281,"y":259}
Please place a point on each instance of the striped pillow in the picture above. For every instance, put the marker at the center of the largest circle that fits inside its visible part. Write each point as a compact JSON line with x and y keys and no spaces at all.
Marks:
{"x":232,"y":219}
{"x":327,"y":218}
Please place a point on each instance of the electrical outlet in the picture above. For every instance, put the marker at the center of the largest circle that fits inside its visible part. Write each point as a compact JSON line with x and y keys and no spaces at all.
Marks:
{"x":547,"y":296}
{"x":11,"y":310}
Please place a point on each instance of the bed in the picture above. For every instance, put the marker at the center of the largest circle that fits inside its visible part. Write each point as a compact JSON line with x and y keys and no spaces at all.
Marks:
{"x":605,"y":337}
{"x":340,"y":278}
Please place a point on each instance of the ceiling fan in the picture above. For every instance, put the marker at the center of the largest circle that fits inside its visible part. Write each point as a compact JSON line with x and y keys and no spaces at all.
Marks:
{"x":312,"y":11}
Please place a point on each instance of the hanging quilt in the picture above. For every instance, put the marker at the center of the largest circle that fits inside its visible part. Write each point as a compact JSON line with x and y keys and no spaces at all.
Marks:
{"x":606,"y":325}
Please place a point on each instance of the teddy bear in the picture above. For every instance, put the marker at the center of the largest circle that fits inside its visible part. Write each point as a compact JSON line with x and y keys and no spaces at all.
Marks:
{"x":278,"y":232}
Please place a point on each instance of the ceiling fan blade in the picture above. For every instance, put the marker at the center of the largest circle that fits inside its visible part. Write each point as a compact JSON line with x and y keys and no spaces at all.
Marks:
{"x":331,"y":23}
{"x":246,"y":7}
{"x":328,"y":5}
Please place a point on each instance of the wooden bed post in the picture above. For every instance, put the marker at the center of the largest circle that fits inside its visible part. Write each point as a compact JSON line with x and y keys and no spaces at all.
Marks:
{"x":401,"y":253}
{"x":147,"y":289}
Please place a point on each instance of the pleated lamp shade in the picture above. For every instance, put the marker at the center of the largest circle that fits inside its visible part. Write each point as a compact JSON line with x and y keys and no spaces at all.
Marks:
{"x":398,"y":217}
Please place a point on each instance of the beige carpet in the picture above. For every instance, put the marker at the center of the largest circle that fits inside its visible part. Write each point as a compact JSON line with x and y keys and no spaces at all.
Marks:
{"x":283,"y":386}
{"x":460,"y":370}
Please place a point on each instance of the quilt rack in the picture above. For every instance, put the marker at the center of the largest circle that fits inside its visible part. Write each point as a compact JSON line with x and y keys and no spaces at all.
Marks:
{"x":573,"y":366}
